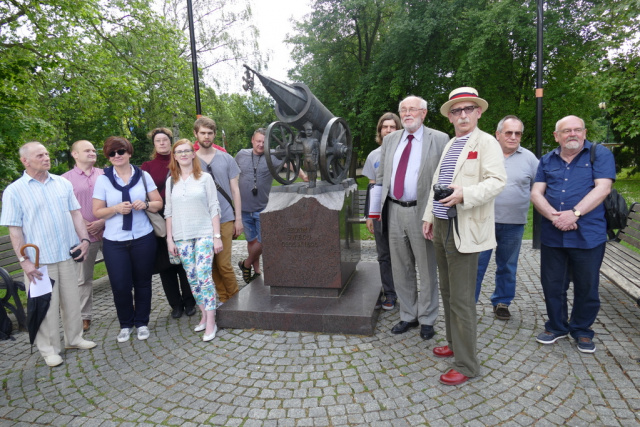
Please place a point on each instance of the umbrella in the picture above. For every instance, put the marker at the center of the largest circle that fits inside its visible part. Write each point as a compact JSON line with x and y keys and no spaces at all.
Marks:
{"x":37,"y":307}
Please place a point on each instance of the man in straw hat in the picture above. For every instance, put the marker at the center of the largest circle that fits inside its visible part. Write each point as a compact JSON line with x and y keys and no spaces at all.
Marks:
{"x":461,"y":224}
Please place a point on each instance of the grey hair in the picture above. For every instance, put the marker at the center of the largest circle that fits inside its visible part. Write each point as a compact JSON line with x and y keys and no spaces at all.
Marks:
{"x":558,"y":122}
{"x":26,"y":148}
{"x":423,"y":103}
{"x":509,"y":117}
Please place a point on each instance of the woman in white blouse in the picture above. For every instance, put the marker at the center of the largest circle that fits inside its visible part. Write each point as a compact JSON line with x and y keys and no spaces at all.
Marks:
{"x":193,"y":228}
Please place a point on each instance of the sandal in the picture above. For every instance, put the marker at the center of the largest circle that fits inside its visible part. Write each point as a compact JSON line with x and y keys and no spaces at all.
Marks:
{"x":246,"y":272}
{"x":255,"y":275}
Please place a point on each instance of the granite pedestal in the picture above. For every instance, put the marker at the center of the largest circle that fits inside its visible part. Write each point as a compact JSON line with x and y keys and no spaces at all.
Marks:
{"x":312,"y":276}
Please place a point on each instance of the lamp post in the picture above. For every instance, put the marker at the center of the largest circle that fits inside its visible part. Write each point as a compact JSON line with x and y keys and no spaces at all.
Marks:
{"x":194,"y":59}
{"x":539,"y":92}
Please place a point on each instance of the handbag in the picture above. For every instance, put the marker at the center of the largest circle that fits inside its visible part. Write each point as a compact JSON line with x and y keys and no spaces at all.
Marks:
{"x":157,"y":221}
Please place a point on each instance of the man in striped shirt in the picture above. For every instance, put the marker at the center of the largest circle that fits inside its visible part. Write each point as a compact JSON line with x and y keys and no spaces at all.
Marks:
{"x":461,"y":225}
{"x":40,"y":208}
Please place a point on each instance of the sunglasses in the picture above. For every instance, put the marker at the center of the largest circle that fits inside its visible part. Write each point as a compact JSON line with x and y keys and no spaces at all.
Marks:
{"x":120,"y":152}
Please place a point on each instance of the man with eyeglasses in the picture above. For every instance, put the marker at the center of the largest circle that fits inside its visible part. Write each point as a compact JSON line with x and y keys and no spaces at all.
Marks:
{"x":511,"y":209}
{"x":224,"y":171}
{"x":40,"y":208}
{"x":569,"y":192}
{"x":255,"y":185}
{"x":461,"y":225}
{"x":407,"y":161}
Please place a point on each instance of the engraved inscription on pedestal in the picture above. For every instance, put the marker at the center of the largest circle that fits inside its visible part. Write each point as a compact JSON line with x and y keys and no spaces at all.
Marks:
{"x":310,"y":246}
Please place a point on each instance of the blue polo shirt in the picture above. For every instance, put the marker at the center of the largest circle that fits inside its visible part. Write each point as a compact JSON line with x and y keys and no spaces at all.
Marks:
{"x":567,"y":184}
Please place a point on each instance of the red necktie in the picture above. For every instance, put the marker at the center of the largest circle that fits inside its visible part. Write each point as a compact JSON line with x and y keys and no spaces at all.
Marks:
{"x":398,"y":184}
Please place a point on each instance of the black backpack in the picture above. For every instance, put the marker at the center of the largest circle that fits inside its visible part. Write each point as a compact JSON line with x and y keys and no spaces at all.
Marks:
{"x":615,"y":206}
{"x":5,"y":325}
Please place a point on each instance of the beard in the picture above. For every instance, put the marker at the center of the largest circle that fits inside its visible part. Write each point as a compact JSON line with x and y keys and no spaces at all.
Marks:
{"x":411,"y":128}
{"x":205,"y":144}
{"x":572,"y":145}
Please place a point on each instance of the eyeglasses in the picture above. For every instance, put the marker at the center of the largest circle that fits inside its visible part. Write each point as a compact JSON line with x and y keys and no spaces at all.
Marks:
{"x":181,"y":152}
{"x":120,"y":152}
{"x":512,"y":133}
{"x":568,"y":131}
{"x":468,"y":110}
{"x":411,"y":110}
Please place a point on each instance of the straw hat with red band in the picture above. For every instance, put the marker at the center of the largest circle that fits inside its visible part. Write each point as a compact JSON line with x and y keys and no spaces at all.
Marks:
{"x":463,"y":94}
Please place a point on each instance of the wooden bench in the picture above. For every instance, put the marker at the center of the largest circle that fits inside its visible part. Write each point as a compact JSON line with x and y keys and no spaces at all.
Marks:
{"x":621,"y":265}
{"x":11,"y":277}
{"x":10,"y":280}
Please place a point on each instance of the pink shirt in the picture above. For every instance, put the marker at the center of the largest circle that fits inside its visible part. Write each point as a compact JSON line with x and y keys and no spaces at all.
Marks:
{"x":83,"y":189}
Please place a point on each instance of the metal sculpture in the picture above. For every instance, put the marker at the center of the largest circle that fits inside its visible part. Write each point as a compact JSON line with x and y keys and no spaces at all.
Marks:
{"x":322,"y":141}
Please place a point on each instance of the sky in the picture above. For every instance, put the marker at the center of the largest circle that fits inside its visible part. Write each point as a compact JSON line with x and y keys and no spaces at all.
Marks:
{"x":272,"y":18}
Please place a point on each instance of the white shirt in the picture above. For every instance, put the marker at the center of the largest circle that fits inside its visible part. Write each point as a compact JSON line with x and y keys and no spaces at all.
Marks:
{"x":191,"y":205}
{"x":413,"y":167}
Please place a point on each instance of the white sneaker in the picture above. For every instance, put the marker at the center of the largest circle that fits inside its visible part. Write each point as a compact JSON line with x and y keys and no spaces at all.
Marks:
{"x":124,"y":334}
{"x":53,"y":360}
{"x":83,"y":345}
{"x":143,"y":333}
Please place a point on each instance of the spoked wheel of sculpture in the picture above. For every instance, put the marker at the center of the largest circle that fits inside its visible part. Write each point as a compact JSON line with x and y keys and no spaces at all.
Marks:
{"x":279,"y":140}
{"x":335,"y":151}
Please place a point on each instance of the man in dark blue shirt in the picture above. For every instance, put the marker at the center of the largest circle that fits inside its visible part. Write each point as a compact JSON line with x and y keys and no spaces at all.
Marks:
{"x":568,"y":192}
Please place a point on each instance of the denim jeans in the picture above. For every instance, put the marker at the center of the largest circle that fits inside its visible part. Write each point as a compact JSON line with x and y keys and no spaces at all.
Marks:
{"x":509,"y":238}
{"x":558,"y":267}
{"x":130,"y":267}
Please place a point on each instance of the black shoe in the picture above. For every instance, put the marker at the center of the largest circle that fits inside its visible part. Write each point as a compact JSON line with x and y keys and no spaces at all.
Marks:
{"x":190,"y":311}
{"x":427,"y":332}
{"x":403,"y":326}
{"x":176,"y":313}
{"x":502,"y":311}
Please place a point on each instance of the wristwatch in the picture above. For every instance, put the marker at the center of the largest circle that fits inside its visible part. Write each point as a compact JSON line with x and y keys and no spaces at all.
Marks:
{"x":576,"y":212}
{"x":217,"y":236}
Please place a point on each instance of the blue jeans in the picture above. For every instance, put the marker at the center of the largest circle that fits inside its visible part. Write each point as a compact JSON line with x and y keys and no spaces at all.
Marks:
{"x":558,"y":267}
{"x":509,"y":238}
{"x":130,"y":267}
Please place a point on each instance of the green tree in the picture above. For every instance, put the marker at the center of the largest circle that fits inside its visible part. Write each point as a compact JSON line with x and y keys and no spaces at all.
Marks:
{"x":430,"y":47}
{"x":621,"y":90}
{"x":335,"y":48}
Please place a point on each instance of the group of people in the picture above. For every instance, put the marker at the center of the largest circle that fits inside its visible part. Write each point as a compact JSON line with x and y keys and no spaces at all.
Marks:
{"x":208,"y":198}
{"x":446,"y":204}
{"x":90,"y":209}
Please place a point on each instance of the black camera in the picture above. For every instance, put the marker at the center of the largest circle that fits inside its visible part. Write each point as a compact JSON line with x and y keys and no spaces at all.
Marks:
{"x":75,"y":254}
{"x":441,"y":191}
{"x":254,"y":190}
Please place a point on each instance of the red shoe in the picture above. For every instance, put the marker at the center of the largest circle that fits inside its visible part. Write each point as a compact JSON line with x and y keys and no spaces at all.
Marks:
{"x":453,"y":377}
{"x":443,"y":351}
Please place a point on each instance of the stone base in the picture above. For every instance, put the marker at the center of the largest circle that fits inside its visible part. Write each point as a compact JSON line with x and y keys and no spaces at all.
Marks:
{"x":352,"y":313}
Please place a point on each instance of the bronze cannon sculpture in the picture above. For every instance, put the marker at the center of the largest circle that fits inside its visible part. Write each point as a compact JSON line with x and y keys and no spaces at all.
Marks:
{"x":320,"y":141}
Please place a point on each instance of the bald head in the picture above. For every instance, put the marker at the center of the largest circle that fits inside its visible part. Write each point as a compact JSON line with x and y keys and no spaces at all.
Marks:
{"x":35,"y":158}
{"x":84,"y":154}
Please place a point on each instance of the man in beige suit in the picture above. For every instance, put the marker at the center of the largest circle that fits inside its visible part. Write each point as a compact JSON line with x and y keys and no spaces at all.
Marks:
{"x":473,"y":166}
{"x":407,"y":162}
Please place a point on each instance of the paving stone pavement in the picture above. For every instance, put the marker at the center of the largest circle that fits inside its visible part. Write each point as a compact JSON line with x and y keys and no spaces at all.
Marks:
{"x":274,"y":378}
